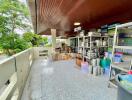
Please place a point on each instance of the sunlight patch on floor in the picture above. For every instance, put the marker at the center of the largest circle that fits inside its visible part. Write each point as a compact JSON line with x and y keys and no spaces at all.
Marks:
{"x":48,"y":71}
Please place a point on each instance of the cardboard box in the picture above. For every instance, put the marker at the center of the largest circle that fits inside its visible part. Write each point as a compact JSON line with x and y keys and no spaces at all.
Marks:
{"x":78,"y":61}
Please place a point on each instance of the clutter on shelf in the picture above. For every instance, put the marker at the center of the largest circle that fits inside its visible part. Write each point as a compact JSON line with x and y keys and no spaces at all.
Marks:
{"x":124,"y":83}
{"x":101,"y":54}
{"x":120,"y":50}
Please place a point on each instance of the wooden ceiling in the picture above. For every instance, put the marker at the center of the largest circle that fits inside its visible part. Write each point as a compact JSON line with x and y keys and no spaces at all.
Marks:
{"x":61,"y":14}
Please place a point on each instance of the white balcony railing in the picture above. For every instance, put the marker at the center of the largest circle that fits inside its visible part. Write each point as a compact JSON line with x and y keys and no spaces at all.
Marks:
{"x":14,"y":72}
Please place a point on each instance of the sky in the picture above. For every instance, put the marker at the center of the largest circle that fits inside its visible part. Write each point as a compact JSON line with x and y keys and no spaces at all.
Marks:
{"x":19,"y":31}
{"x":24,"y":1}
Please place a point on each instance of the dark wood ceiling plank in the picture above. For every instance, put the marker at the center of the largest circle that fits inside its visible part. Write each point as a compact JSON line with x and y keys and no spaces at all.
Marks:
{"x":91,"y":13}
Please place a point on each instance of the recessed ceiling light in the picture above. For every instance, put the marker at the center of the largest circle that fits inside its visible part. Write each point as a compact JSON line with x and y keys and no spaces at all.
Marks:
{"x":76,"y":23}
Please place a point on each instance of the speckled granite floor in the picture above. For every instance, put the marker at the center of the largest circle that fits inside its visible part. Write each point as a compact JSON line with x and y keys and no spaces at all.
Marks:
{"x":60,"y":80}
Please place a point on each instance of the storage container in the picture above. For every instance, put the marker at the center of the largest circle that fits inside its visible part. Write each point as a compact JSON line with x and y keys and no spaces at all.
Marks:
{"x":84,"y":67}
{"x":106,"y":71}
{"x":123,"y":93}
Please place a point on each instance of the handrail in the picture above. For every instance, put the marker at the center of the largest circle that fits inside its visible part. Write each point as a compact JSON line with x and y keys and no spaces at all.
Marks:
{"x":15,"y":69}
{"x":6,"y":93}
{"x":10,"y":70}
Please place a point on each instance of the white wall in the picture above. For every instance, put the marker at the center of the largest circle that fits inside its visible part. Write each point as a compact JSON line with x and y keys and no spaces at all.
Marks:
{"x":66,"y":41}
{"x":37,"y":49}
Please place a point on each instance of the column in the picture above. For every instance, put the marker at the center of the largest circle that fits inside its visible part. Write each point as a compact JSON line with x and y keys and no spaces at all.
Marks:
{"x":53,"y":33}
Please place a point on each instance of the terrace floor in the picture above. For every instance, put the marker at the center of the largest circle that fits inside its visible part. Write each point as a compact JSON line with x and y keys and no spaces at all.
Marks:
{"x":61,"y":80}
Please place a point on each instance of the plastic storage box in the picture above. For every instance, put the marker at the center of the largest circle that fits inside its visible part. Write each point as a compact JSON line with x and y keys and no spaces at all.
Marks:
{"x":123,"y":93}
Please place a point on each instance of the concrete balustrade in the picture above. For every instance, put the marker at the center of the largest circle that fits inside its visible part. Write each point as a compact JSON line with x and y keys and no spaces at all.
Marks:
{"x":37,"y":49}
{"x":14,"y":72}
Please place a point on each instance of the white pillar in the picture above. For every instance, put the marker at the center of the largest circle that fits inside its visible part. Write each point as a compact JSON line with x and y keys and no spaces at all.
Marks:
{"x":53,"y":33}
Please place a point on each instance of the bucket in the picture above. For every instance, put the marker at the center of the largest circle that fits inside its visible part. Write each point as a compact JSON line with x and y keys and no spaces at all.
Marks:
{"x":84,"y":67}
{"x":103,"y":63}
{"x":106,"y":71}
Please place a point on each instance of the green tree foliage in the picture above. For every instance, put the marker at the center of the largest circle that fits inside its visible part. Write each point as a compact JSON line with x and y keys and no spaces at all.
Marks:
{"x":13,"y":15}
{"x":28,"y":36}
{"x":20,"y":44}
{"x":35,"y":39}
